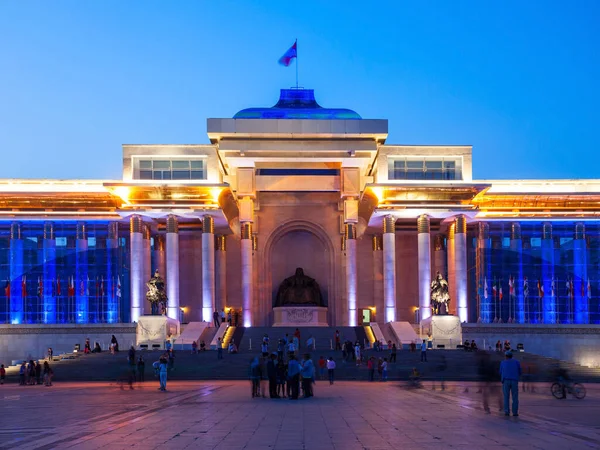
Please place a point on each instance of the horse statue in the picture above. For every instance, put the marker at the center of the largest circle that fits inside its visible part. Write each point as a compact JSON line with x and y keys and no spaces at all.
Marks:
{"x":156,"y":295}
{"x":440,"y":297}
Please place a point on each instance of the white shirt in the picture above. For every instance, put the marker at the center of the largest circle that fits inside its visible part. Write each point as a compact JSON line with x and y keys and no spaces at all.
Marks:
{"x":384,"y":365}
{"x":330,"y":364}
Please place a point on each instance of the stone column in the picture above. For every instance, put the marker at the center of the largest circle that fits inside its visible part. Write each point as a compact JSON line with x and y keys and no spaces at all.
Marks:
{"x":439,"y":255}
{"x":483,"y":273}
{"x":221,"y":272}
{"x":208,"y":268}
{"x":113,"y":280}
{"x":49,"y":267}
{"x":342,"y":312}
{"x":159,"y":255}
{"x":581,"y":300}
{"x":17,"y":276}
{"x":82,"y":312}
{"x":549,"y":300}
{"x":351,"y":273}
{"x":460,"y":242}
{"x":424,"y":266}
{"x":147,"y":252}
{"x":172,"y":239}
{"x":247,"y":275}
{"x":516,"y":249}
{"x":389,"y":267}
{"x":378,"y":279}
{"x":136,"y":250}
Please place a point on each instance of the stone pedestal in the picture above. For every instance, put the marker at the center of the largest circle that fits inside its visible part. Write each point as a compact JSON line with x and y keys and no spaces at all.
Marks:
{"x":445,"y":330}
{"x":300,"y":316}
{"x":155,"y":330}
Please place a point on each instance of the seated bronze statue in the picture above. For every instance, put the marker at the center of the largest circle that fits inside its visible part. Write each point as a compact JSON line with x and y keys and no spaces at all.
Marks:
{"x":299,"y":289}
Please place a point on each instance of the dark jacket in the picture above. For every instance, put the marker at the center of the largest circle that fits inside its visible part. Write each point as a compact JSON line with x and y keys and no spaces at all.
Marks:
{"x":271,"y":369}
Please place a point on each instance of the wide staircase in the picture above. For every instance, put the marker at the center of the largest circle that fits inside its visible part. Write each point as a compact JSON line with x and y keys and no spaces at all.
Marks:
{"x":459,"y":364}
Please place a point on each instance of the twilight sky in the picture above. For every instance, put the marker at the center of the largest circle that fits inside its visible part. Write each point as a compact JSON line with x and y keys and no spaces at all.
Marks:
{"x":517,"y":80}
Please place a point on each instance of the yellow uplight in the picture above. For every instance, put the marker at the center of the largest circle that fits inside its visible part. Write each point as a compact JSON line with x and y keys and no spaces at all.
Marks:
{"x":215,"y":192}
{"x":123,"y":192}
{"x":379,"y":192}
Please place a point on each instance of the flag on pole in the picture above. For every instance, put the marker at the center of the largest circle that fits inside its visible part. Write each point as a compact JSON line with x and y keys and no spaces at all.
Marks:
{"x":511,"y":286}
{"x":288,"y":56}
{"x":525,"y":288}
{"x":589,"y":289}
{"x":7,"y":289}
{"x":71,"y":289}
{"x":40,"y":288}
{"x":485,"y":288}
{"x":500,"y":291}
{"x":87,"y":286}
{"x":540,"y":287}
{"x":24,"y":286}
{"x":102,"y":286}
{"x":97,"y":287}
{"x":81,"y":288}
{"x":57,"y":286}
{"x":494,"y":289}
{"x":571,"y":288}
{"x":583,"y":288}
{"x":553,"y":287}
{"x":119,"y":287}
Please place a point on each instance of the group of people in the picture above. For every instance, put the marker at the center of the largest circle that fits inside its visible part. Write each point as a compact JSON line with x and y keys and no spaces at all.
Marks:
{"x":286,"y":373}
{"x":31,"y":373}
{"x":500,"y":347}
{"x":231,"y":316}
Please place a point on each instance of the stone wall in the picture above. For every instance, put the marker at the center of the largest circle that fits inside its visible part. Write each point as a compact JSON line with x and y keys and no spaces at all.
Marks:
{"x":579,"y":344}
{"x":32,"y":341}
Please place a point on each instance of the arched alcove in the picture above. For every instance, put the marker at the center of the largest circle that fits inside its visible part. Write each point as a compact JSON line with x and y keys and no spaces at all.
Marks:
{"x":300,"y":243}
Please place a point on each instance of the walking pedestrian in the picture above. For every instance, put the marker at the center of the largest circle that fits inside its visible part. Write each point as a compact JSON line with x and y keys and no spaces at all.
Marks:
{"x":331,"y":370}
{"x":308,"y":373}
{"x":294,"y":377}
{"x":272,"y":375}
{"x":162,"y":373}
{"x":510,"y":371}
{"x":424,"y":351}
{"x":216,"y":319}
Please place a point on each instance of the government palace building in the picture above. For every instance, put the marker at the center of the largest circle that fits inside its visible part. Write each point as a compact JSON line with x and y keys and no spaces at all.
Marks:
{"x":228,"y":225}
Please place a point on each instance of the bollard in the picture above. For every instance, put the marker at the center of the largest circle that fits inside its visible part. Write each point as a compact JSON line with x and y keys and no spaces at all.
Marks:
{"x":314,"y":344}
{"x":250,"y":347}
{"x":331,"y":344}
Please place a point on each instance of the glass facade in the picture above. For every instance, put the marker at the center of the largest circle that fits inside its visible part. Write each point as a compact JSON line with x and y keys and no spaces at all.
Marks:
{"x":170,"y":169}
{"x":408,"y":168}
{"x":52,"y":273}
{"x":535,"y":272}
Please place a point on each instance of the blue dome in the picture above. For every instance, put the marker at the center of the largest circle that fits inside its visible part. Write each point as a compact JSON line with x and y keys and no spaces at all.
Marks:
{"x":297,"y":104}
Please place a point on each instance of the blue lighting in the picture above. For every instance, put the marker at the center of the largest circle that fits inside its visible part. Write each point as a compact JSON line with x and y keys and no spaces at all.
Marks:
{"x":297,"y":104}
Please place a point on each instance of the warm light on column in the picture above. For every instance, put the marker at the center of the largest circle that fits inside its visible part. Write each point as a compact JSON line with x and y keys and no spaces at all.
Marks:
{"x":351,"y":273}
{"x":137,"y":266}
{"x":460,"y":249}
{"x":247,"y":275}
{"x":424,"y":268}
{"x":172,"y":241}
{"x":208,"y":268}
{"x":389,"y":268}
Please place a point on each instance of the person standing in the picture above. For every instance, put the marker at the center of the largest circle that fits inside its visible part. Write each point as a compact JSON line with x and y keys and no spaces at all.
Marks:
{"x":322,"y":366}
{"x":2,"y":373}
{"x":216,"y":319}
{"x":331,"y":370}
{"x":308,"y":373}
{"x":229,"y":317}
{"x":281,"y":377}
{"x":38,"y":373}
{"x":384,"y":370}
{"x":194,"y":347}
{"x":294,"y":377}
{"x":219,"y":349}
{"x":162,"y":373}
{"x":424,"y":351}
{"x":141,"y":368}
{"x":22,"y":371}
{"x":393,"y":353}
{"x":371,"y":367}
{"x":47,"y":374}
{"x":223,"y":315}
{"x":510,"y":371}
{"x":338,"y":343}
{"x":272,"y":375}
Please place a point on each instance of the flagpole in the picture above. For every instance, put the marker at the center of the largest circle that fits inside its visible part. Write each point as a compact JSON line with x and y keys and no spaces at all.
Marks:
{"x":296,"y":63}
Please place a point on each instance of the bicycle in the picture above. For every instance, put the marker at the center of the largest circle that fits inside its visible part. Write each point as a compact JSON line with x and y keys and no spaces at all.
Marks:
{"x":560,"y":390}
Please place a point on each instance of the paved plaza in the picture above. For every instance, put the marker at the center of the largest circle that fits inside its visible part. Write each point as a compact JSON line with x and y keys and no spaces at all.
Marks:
{"x":348,"y":416}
